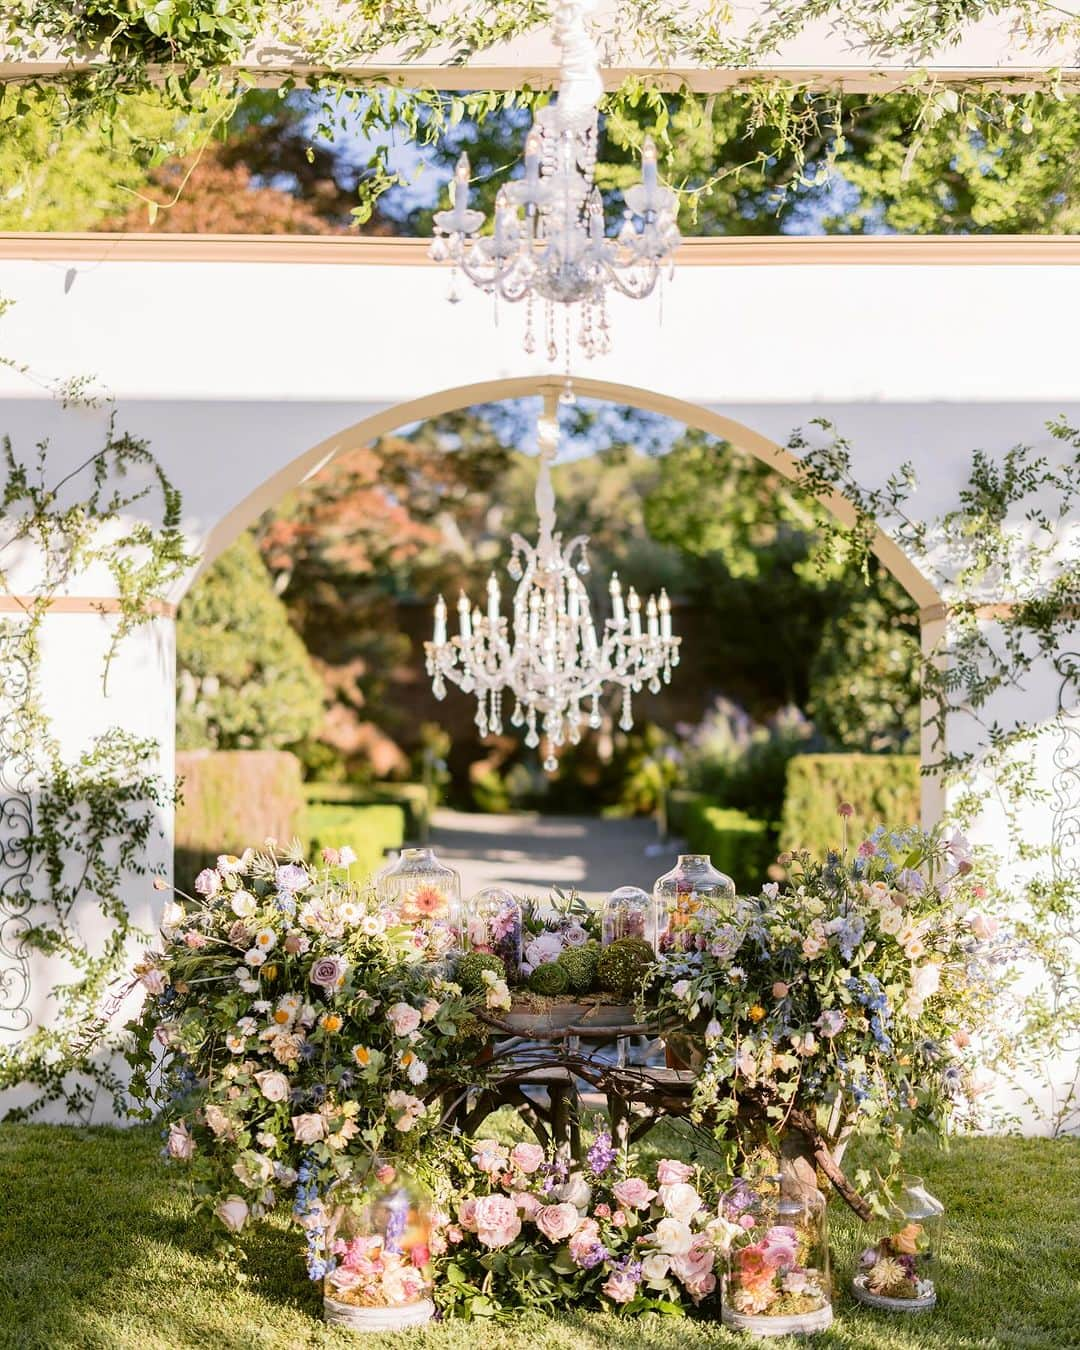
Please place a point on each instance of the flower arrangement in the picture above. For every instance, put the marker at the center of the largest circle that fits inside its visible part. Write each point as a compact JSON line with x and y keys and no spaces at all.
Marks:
{"x":493,"y":927}
{"x":849,"y":993}
{"x":569,"y":925}
{"x":530,"y":1228}
{"x":292,"y":1029}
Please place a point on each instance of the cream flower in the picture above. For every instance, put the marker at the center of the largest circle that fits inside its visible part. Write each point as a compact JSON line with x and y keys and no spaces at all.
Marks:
{"x":674,"y":1237}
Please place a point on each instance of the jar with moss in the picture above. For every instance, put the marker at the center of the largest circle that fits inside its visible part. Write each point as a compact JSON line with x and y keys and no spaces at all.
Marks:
{"x":423,"y":893}
{"x":777,"y":1280}
{"x":493,"y":925}
{"x":898,"y":1271}
{"x":688,"y":896}
{"x":629,"y":912}
{"x":378,"y":1245}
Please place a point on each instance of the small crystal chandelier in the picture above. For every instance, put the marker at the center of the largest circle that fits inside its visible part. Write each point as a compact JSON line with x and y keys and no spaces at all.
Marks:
{"x":549,"y":241}
{"x":549,"y":656}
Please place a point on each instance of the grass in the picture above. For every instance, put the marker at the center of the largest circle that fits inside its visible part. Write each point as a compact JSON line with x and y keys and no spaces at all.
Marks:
{"x":98,"y":1251}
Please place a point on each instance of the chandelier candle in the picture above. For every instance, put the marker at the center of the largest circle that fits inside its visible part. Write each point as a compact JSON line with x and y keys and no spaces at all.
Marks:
{"x":549,"y":241}
{"x":549,"y":654}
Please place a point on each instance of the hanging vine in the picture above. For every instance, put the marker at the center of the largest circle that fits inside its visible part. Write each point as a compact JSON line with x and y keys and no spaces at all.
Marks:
{"x":73,"y":831}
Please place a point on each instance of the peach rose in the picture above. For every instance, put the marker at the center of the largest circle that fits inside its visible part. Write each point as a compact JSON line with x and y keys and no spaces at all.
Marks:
{"x":668,"y":1171}
{"x":527,"y":1157}
{"x":310,"y":1128}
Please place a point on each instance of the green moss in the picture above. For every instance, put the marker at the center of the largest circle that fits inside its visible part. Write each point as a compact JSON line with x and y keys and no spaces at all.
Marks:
{"x":580,"y":964}
{"x":551,"y":979}
{"x":623,"y":964}
{"x":471,"y":967}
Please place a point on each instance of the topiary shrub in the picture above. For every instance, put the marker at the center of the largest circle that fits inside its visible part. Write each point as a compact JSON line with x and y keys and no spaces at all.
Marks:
{"x":551,"y":979}
{"x":580,"y":964}
{"x":623,"y":964}
{"x":470,"y":971}
{"x":879,"y":787}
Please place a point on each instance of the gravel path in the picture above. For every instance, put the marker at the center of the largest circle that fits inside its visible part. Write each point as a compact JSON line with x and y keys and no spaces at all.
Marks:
{"x":531,"y":852}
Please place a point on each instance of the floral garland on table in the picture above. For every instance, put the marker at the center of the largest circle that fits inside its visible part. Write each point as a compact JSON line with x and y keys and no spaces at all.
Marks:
{"x":850,"y":994}
{"x":304,"y":1033}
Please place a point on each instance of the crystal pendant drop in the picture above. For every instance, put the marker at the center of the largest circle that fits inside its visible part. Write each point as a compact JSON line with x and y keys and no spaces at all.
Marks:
{"x":517,"y":717}
{"x":551,"y":764}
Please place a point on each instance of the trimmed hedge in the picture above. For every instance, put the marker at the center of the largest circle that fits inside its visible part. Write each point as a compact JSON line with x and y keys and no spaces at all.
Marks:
{"x":413,"y":798}
{"x":738,"y":844}
{"x":883,"y":789}
{"x":368,"y":830}
{"x":233,"y":799}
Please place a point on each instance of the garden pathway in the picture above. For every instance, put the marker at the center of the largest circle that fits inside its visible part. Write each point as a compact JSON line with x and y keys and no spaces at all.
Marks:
{"x":531,"y":852}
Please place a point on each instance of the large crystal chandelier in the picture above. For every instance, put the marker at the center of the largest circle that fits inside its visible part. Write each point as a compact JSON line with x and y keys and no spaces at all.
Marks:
{"x":548,"y":655}
{"x":549,"y":242}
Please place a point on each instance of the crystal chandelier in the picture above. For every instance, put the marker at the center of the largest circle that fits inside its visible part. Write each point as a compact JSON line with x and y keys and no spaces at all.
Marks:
{"x":549,"y":655}
{"x":549,"y":242}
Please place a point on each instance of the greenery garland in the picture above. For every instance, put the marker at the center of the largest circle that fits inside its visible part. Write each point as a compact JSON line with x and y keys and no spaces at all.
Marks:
{"x":105,"y":799}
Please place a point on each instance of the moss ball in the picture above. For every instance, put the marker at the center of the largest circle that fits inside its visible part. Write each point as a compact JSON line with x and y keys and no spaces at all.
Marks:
{"x":623,"y":964}
{"x":470,"y":971}
{"x":550,"y":979}
{"x":580,"y":964}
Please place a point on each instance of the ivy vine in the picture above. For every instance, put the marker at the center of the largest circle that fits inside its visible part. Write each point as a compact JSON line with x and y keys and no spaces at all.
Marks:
{"x":75,"y":830}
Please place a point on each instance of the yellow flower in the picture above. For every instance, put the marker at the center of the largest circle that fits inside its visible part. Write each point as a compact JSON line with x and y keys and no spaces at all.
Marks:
{"x":330,"y":1022}
{"x":362,"y":1055}
{"x":269,"y":972}
{"x":757,"y":1012}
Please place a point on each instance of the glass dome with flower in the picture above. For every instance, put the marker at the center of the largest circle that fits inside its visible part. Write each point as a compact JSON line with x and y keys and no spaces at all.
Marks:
{"x":378,"y":1244}
{"x":898,"y":1271}
{"x":777,"y":1280}
{"x":425,"y":894}
{"x":629,"y":912}
{"x":493,"y":924}
{"x":693,"y":889}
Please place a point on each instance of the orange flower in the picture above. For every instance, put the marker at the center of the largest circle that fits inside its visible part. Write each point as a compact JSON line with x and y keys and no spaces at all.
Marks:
{"x":362,"y":1055}
{"x":906,"y":1242}
{"x":330,"y":1022}
{"x":428,"y":901}
{"x":757,"y":1012}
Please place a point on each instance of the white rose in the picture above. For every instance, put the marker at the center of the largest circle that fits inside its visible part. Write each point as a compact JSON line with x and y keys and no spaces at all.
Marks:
{"x":680,"y":1200}
{"x":655,"y":1268}
{"x":273,"y":1085}
{"x":575,"y":1191}
{"x":926,"y":981}
{"x":172,"y":914}
{"x":310,"y":1128}
{"x":674,"y":1237}
{"x":243,"y":905}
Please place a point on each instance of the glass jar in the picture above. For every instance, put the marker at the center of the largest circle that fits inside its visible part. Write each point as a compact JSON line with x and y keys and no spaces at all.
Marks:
{"x":425,"y":894}
{"x":692,"y":890}
{"x":898,"y":1271}
{"x":777,"y":1280}
{"x":378,"y":1247}
{"x":629,"y":912}
{"x":493,"y":924}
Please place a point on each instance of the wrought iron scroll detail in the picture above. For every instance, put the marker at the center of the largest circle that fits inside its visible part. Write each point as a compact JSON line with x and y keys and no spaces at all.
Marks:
{"x":16,"y":831}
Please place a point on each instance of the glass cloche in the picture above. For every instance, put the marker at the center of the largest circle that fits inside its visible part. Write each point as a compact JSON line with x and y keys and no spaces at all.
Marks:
{"x":423,"y":892}
{"x":777,"y":1279}
{"x":493,"y":924}
{"x":898,"y":1271}
{"x":690,"y":891}
{"x":378,"y":1249}
{"x":629,"y":912}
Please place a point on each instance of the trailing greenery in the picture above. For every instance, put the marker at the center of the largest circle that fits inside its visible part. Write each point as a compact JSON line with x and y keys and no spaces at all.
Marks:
{"x":139,"y":1274}
{"x":229,"y":797}
{"x":244,"y":678}
{"x":739,"y":845}
{"x":878,"y":787}
{"x":370,"y":831}
{"x":81,"y":827}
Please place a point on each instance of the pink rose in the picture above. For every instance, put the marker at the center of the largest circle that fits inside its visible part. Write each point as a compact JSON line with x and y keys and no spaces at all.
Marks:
{"x":619,"y":1219}
{"x":329,"y":972}
{"x":310,"y":1128}
{"x":497,"y":1221}
{"x":634,"y":1192}
{"x":208,"y":882}
{"x":527,"y":1203}
{"x":619,"y":1287}
{"x":233,"y":1213}
{"x":180,"y":1145}
{"x":668,"y":1171}
{"x":780,"y":1246}
{"x":527,"y":1157}
{"x":557,"y":1222}
{"x":196,"y":941}
{"x":583,"y":1241}
{"x":466,"y":1213}
{"x":694,"y":1264}
{"x":403,"y":1018}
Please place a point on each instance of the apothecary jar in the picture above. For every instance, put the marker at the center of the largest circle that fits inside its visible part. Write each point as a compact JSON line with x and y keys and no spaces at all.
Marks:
{"x":629,"y":912}
{"x":422,"y":892}
{"x":378,"y":1250}
{"x":493,"y":924}
{"x":898,"y":1271}
{"x":692,"y":889}
{"x":777,"y":1281}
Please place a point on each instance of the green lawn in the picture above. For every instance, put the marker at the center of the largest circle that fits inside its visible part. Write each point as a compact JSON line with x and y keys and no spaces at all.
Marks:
{"x":97,"y":1250}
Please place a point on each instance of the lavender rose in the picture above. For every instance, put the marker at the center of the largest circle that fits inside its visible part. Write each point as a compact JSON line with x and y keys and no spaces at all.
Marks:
{"x":329,"y":972}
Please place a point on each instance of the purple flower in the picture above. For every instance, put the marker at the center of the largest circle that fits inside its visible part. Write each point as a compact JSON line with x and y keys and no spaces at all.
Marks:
{"x":328,"y":972}
{"x":291,"y":877}
{"x":601,"y":1155}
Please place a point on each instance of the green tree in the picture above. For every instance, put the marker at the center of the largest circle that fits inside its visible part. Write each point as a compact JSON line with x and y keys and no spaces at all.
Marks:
{"x":245,"y":680}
